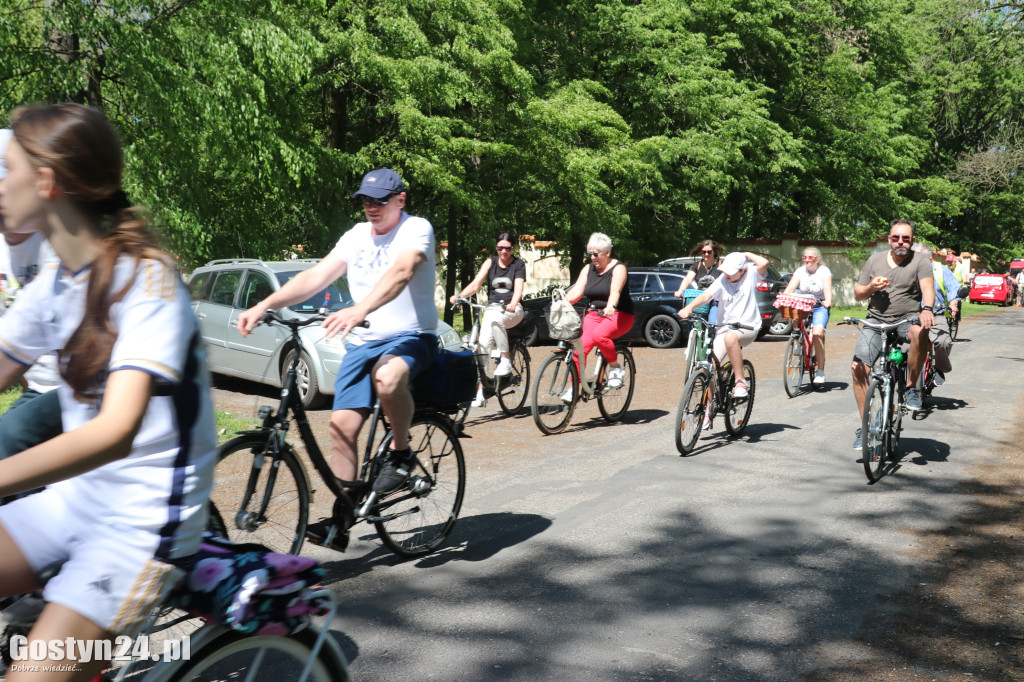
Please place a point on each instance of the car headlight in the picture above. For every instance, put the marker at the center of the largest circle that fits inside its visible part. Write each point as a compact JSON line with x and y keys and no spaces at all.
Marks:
{"x":449,"y":339}
{"x":332,"y":342}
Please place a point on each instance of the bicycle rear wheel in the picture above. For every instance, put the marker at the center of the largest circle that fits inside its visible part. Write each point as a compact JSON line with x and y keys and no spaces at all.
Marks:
{"x":613,"y":402}
{"x":737,"y":410}
{"x":415,"y":519}
{"x":259,"y":496}
{"x":556,"y":377}
{"x":690,"y":413}
{"x":512,"y":389}
{"x":874,"y":431}
{"x":793,"y":365}
{"x":235,"y":656}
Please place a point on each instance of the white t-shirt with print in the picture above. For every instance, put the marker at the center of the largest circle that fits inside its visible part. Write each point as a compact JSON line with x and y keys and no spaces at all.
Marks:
{"x":737,"y":301}
{"x":164,"y":483}
{"x":812,"y":283}
{"x":369,"y":256}
{"x":19,"y":264}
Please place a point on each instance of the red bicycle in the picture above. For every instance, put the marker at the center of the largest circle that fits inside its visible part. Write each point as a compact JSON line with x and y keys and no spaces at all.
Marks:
{"x":799,"y":359}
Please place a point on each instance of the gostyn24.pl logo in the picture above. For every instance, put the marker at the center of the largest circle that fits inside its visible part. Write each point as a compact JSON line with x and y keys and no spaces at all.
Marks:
{"x":121,"y":648}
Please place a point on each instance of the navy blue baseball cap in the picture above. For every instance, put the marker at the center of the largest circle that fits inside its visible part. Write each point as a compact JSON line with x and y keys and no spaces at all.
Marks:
{"x":379,"y":183}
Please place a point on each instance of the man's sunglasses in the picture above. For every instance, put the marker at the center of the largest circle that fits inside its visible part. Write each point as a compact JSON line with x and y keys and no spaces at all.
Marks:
{"x":378,"y":202}
{"x":897,"y":238}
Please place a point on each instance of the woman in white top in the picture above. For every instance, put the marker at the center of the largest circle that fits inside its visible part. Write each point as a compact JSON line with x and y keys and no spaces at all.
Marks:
{"x":813,"y":278}
{"x":737,"y":302}
{"x":129,"y":479}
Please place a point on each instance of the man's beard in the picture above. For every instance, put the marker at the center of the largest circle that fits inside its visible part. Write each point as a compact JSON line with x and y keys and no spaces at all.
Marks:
{"x":901,"y":250}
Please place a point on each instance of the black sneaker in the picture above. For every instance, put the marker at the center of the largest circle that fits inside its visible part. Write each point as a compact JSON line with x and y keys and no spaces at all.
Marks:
{"x":326,"y":533}
{"x":858,"y":443}
{"x":394,"y":470}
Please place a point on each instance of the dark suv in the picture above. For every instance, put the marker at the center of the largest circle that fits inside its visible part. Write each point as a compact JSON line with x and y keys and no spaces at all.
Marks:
{"x":654,"y":305}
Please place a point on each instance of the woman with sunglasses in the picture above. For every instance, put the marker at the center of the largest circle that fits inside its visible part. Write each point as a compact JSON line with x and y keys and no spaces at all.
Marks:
{"x":813,"y":278}
{"x":709,"y":252}
{"x":129,"y":479}
{"x":605,"y":283}
{"x":506,"y":277}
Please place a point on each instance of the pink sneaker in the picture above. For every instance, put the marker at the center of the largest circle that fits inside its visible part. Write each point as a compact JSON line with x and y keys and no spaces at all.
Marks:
{"x":740,"y":390}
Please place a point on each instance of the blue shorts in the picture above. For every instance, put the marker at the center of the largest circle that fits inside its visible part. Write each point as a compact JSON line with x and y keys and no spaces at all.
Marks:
{"x":819,"y":317}
{"x":353,"y":388}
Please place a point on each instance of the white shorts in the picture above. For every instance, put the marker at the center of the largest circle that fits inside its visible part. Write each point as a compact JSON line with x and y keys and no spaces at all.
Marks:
{"x":109,"y":575}
{"x":747,"y":337}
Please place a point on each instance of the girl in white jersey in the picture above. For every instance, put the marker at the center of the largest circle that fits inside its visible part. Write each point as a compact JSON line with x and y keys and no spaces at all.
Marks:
{"x":129,"y":479}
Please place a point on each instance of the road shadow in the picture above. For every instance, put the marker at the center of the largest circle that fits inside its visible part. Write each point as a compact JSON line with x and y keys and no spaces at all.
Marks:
{"x":938,"y":404}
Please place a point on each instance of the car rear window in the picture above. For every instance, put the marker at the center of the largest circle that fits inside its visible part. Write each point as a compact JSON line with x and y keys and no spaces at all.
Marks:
{"x":334,"y":297}
{"x":989,"y":280}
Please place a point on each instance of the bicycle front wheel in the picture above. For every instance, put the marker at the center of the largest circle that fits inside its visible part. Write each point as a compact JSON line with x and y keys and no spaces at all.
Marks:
{"x":954,"y":327}
{"x":613,"y":402}
{"x":234,"y":655}
{"x":415,"y":519}
{"x":261,"y":496}
{"x":554,"y":393}
{"x":793,"y":366}
{"x":512,"y":389}
{"x":874,"y":431}
{"x":737,"y":410}
{"x":692,"y":341}
{"x":690,"y":413}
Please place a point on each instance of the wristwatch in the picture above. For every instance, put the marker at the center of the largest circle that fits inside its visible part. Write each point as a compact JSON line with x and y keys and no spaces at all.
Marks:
{"x":928,"y":308}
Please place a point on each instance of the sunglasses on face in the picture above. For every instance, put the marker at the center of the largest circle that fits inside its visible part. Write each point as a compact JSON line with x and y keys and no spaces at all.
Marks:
{"x":504,"y":248}
{"x":378,"y":202}
{"x":897,"y":238}
{"x":807,"y":258}
{"x":708,"y":253}
{"x":593,"y":254}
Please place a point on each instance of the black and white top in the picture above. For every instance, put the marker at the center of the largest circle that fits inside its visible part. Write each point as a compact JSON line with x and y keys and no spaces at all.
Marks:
{"x":501,"y":282}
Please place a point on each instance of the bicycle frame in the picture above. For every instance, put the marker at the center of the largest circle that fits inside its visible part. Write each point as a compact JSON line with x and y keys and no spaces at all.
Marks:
{"x":807,"y":341}
{"x":588,"y":385}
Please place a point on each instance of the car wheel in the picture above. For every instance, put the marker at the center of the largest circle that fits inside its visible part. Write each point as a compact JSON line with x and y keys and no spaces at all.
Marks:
{"x":661,"y":331}
{"x":781,"y":327}
{"x":306,"y":381}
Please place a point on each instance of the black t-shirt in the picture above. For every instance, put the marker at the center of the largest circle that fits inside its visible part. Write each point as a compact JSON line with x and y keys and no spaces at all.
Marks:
{"x":599,"y":288}
{"x":700,"y":270}
{"x":501,"y":281}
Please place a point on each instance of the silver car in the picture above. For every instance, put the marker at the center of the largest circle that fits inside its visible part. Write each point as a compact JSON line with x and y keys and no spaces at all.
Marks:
{"x":222,"y":289}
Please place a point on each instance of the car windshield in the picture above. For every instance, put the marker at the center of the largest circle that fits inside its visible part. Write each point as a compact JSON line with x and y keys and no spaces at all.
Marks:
{"x":334,"y":297}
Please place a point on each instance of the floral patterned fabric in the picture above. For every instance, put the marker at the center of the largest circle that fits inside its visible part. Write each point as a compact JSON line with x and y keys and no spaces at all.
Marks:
{"x":249,"y":588}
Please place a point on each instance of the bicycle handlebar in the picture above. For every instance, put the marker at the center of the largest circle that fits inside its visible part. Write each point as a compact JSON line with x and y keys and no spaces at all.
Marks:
{"x":881,"y":326}
{"x":731,"y":325}
{"x":274,"y":316}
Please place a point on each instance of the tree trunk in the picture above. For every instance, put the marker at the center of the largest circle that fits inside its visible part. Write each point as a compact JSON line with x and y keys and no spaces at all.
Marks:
{"x":451,"y":276}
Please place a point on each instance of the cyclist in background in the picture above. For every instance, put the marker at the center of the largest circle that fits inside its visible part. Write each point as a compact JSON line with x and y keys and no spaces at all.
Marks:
{"x":129,"y":480}
{"x":709,"y":251}
{"x":737,"y":298}
{"x":896,"y":284}
{"x":946,"y":288}
{"x":389,"y":260}
{"x":813,"y":278}
{"x":605,"y":283}
{"x":506,"y":277}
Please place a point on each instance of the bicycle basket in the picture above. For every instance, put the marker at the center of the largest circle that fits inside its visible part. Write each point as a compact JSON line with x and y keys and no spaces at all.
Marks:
{"x":690,"y":294}
{"x":451,"y":380}
{"x":564,"y":323}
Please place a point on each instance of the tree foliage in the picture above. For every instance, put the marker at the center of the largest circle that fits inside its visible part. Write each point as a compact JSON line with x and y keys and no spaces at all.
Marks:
{"x":248,"y":122}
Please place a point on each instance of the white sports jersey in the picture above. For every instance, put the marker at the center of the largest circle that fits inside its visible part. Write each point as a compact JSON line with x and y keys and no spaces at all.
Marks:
{"x":19,"y":264}
{"x":369,"y":256}
{"x":164,"y":483}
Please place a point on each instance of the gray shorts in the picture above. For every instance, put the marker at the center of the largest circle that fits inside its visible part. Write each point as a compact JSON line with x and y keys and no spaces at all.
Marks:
{"x":869,"y":343}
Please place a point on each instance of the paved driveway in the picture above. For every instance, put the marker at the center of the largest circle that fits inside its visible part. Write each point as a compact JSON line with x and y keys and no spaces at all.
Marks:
{"x":600,"y":553}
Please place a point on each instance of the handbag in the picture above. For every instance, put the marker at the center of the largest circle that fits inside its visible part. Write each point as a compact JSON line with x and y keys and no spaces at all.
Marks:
{"x":564,"y":322}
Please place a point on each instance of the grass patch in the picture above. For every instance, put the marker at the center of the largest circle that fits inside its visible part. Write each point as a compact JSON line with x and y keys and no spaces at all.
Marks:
{"x":228,"y":424}
{"x":8,"y":397}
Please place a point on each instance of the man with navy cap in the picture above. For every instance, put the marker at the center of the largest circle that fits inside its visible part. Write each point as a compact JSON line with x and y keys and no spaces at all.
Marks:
{"x":390,"y":264}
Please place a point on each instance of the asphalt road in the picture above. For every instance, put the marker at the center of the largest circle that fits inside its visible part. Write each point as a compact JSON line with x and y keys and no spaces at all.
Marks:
{"x":600,"y":553}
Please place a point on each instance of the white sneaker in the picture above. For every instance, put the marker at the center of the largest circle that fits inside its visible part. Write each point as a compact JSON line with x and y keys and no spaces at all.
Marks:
{"x":479,"y":400}
{"x":567,"y":396}
{"x":740,"y":390}
{"x":504,"y":368}
{"x":615,"y":375}
{"x":819,"y":377}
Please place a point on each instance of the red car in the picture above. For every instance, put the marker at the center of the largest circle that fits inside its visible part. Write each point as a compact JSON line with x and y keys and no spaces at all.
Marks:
{"x":991,"y":289}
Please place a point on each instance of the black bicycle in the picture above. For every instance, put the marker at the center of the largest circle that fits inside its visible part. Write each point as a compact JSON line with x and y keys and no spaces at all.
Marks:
{"x":262,"y":494}
{"x":701,"y":401}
